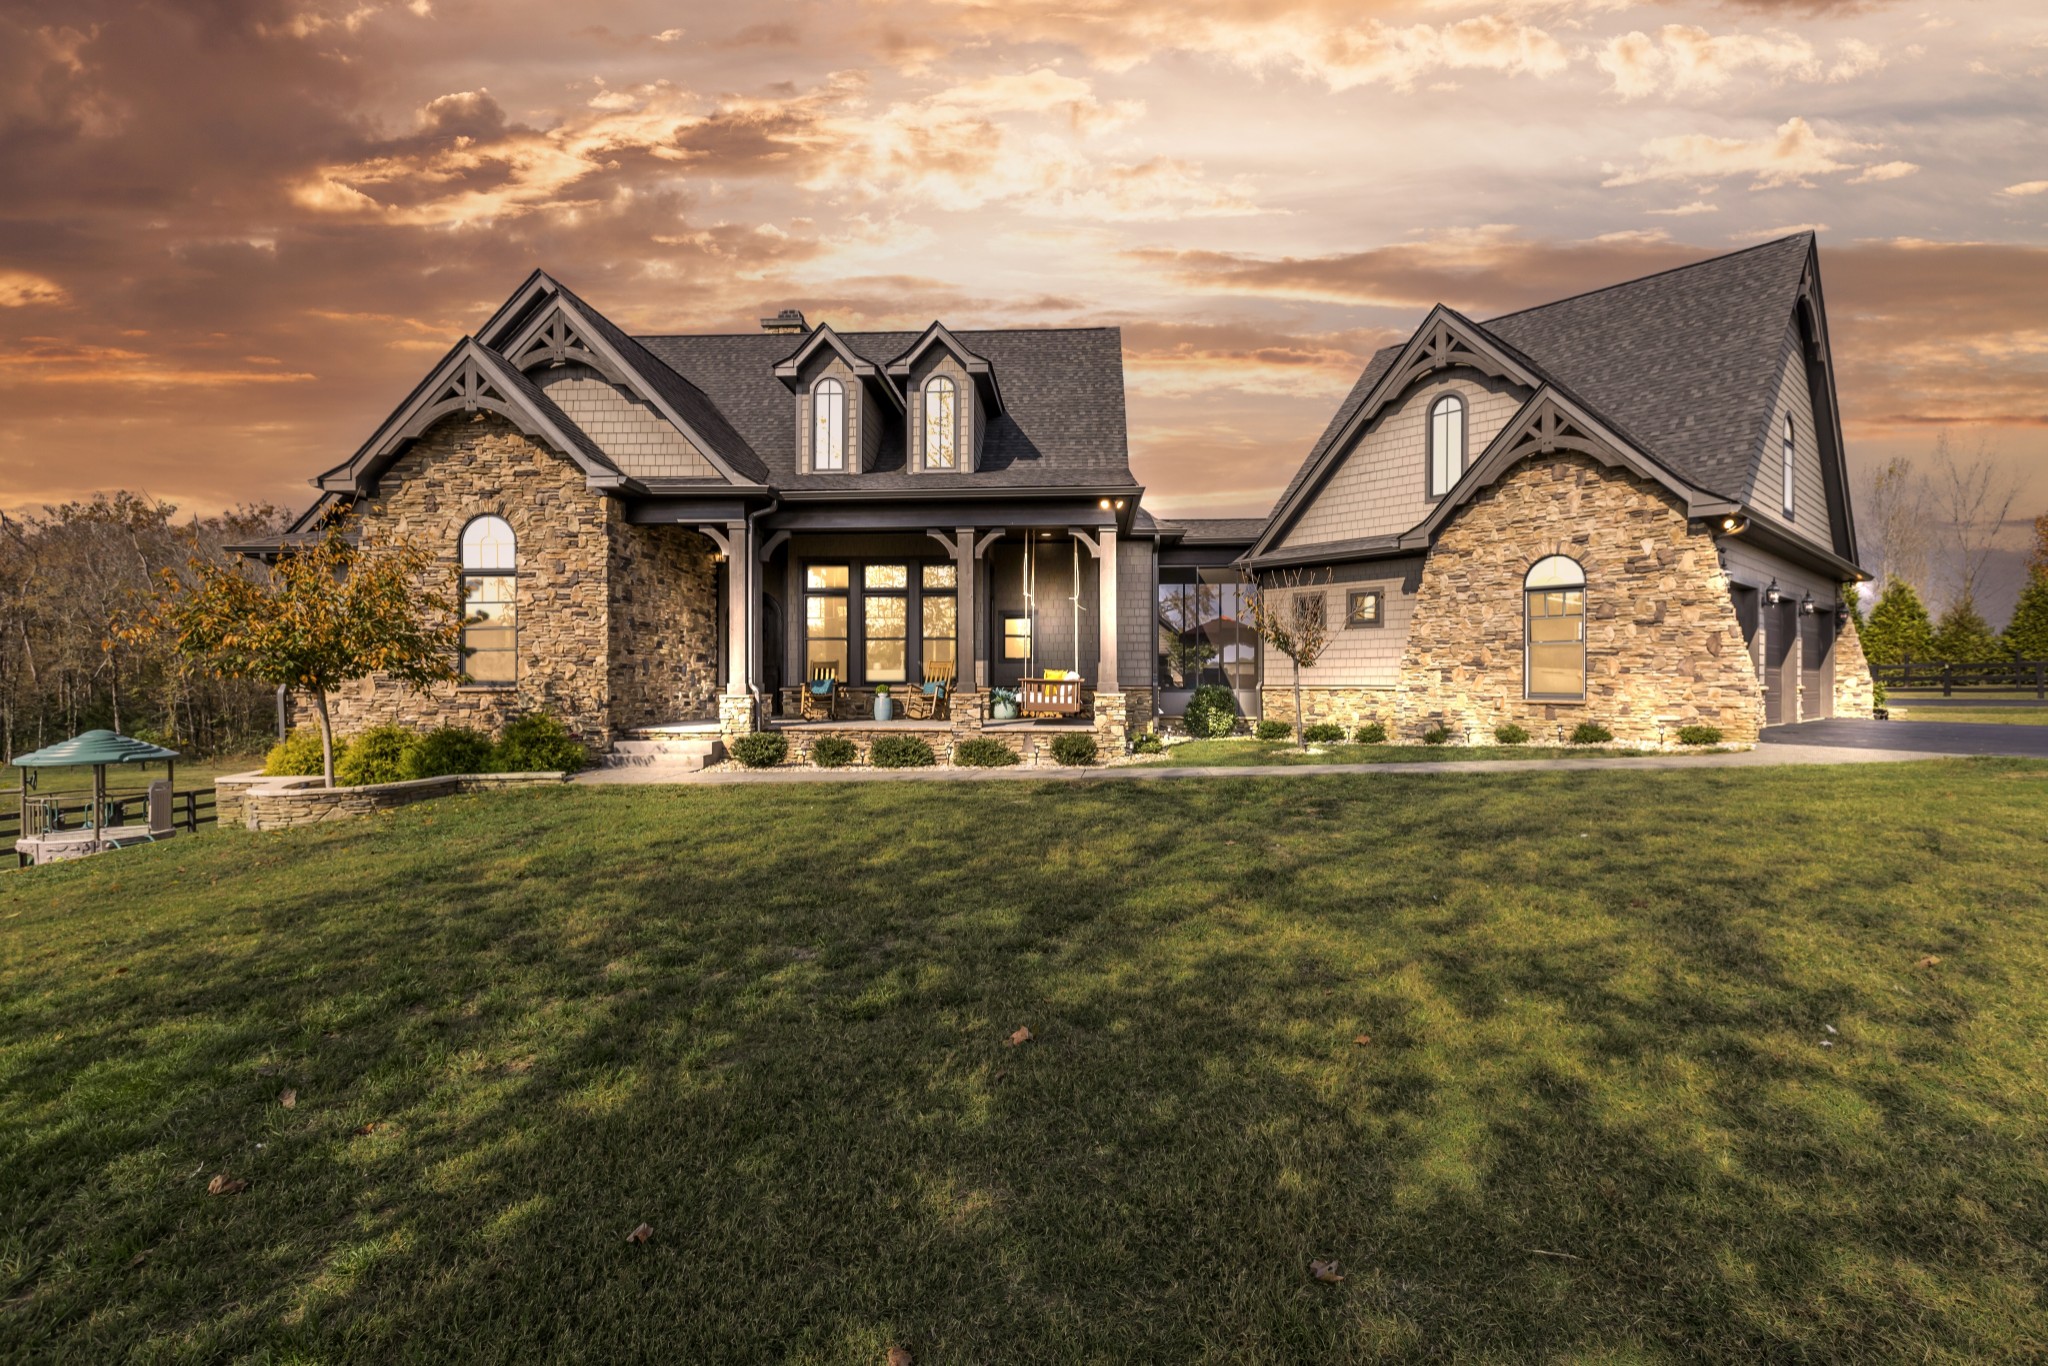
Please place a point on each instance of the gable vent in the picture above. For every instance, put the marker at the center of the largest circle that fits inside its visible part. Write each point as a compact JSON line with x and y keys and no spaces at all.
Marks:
{"x":788,"y":320}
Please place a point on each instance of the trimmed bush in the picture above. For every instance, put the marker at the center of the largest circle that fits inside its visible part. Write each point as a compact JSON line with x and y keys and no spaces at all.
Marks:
{"x":1148,"y":743}
{"x":375,"y":756}
{"x":1591,"y":733}
{"x":1699,"y":735}
{"x":833,"y":751}
{"x":982,"y":752}
{"x":538,"y":743}
{"x":1371,"y":733}
{"x":451,"y":749}
{"x":901,"y":751}
{"x":1510,"y":734}
{"x":1274,"y":730}
{"x":1436,"y":735}
{"x":1075,"y":751}
{"x":298,"y":755}
{"x":1324,"y":733}
{"x":1211,"y":713}
{"x":762,"y":749}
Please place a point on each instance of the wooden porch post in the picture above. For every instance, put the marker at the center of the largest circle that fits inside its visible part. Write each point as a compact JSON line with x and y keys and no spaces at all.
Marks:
{"x":1108,"y":679}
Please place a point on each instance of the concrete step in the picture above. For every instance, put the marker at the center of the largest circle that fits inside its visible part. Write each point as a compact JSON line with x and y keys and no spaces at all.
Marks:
{"x":688,"y":756}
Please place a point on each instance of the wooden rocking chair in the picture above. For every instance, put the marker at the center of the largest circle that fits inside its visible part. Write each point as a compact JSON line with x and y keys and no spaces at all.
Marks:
{"x":820,"y":700}
{"x":929,"y":701}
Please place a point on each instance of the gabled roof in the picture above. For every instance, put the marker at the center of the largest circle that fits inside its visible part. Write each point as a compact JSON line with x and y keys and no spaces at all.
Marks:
{"x":822,"y":338}
{"x":471,"y":378}
{"x":983,"y":373}
{"x":1062,"y":424}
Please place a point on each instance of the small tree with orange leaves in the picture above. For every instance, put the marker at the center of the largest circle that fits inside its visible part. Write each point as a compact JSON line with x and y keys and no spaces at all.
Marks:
{"x":1291,"y":615}
{"x":327,"y":614}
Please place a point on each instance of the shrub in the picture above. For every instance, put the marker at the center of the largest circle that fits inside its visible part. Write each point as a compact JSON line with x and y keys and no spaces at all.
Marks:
{"x":375,"y":756}
{"x":1591,"y":733}
{"x":1324,"y":733}
{"x":1510,"y":734}
{"x":901,"y":751}
{"x":833,"y":751}
{"x":1148,"y":743}
{"x":298,"y":755}
{"x":762,"y":749}
{"x":1074,"y":751}
{"x":1371,"y":733}
{"x":1274,"y":730}
{"x":1436,"y":735}
{"x":1211,"y":713}
{"x":538,"y":743}
{"x":982,"y":752}
{"x":451,"y":749}
{"x":1699,"y":735}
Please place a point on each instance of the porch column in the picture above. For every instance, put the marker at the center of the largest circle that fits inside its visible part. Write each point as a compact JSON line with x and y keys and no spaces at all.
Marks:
{"x":966,"y":618}
{"x":1105,"y":578}
{"x":735,"y":705}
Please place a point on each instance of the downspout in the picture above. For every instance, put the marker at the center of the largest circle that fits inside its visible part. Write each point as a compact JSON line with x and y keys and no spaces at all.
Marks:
{"x":1075,"y":542}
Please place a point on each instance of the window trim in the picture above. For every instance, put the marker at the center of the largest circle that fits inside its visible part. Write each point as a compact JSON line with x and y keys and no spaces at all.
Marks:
{"x":856,"y":594}
{"x":1791,"y":454}
{"x":1429,"y":489}
{"x":844,"y":595}
{"x":1529,"y":693}
{"x":931,"y":383}
{"x":1379,"y":609}
{"x":467,"y":572}
{"x":845,"y":426}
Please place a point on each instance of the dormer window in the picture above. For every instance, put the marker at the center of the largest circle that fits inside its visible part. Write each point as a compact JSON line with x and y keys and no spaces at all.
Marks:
{"x":828,"y":425}
{"x":940,"y":424}
{"x":1446,"y":444}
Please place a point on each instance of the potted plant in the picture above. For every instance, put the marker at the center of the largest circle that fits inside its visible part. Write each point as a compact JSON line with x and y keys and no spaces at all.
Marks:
{"x":882,"y":702}
{"x":1002,"y":704}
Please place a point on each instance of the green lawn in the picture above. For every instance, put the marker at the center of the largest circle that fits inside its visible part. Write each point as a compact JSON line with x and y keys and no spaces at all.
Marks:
{"x":1657,"y":1071}
{"x":1246,"y":753}
{"x":1989,"y":716}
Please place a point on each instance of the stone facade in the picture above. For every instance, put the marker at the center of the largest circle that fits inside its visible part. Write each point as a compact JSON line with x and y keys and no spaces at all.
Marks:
{"x":1348,"y":707}
{"x":1854,"y":695}
{"x":257,"y":802}
{"x":1663,"y":646}
{"x":663,"y":627}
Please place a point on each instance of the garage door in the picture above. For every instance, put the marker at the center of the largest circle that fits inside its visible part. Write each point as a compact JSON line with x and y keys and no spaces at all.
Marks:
{"x":1781,"y":681}
{"x":1817,"y":643}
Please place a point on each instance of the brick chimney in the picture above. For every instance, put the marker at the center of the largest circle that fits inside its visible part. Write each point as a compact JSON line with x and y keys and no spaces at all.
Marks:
{"x":788,"y":320}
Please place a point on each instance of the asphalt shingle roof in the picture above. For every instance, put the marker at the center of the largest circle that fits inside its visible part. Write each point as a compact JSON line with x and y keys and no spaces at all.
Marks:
{"x":1063,"y":394}
{"x":1219,"y":530}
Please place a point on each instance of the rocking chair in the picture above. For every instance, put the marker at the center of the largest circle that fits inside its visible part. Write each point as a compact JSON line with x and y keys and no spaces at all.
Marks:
{"x":820,"y":700}
{"x":927,"y":702}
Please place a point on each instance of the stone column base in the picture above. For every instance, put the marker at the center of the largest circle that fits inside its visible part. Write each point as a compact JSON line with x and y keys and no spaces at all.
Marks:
{"x":1112,"y":723}
{"x":735,"y":715}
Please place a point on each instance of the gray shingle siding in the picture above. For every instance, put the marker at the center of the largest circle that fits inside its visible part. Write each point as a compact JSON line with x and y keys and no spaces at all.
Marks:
{"x":639,"y":440}
{"x":1793,"y":398}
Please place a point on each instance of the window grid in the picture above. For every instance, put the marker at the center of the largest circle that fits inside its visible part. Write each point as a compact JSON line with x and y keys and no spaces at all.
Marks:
{"x":1365,"y":607}
{"x":1554,"y":630}
{"x":1446,"y":444}
{"x":939,"y":425}
{"x":490,"y":599}
{"x":828,"y":425}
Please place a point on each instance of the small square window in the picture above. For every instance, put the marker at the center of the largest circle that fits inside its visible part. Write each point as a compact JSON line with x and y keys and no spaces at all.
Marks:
{"x":825,"y":577}
{"x":1016,"y":637}
{"x":886,"y":577}
{"x":941,"y":576}
{"x":1364,"y":606}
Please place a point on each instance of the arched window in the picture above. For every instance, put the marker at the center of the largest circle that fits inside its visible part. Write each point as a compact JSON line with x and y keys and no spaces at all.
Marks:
{"x":1554,"y":608}
{"x":1446,"y":443}
{"x":828,"y":425}
{"x":939,"y":425}
{"x":490,"y":619}
{"x":1789,"y":432}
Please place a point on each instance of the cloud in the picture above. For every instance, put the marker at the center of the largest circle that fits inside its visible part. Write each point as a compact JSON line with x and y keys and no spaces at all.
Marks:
{"x":1683,"y":59}
{"x":1888,"y":170}
{"x":1697,"y":206}
{"x":19,"y":289}
{"x":1791,"y":155}
{"x":2028,"y":187}
{"x":1183,"y":358}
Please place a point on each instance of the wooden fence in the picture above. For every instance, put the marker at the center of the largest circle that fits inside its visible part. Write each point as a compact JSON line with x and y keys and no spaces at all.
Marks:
{"x":2008,"y":675}
{"x":190,"y":809}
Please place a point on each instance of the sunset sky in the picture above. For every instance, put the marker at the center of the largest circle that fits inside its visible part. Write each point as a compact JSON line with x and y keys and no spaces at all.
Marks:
{"x":233,"y":233}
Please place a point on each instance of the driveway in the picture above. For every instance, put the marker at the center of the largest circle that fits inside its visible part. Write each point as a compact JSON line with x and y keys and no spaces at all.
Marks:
{"x":1920,"y":737}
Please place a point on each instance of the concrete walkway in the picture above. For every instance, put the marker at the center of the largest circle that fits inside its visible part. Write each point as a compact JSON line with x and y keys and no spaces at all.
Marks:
{"x":1764,"y":756}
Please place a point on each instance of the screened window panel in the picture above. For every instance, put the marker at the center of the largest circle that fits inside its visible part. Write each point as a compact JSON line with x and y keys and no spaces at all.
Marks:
{"x":828,"y":425}
{"x":490,"y":632}
{"x":939,"y":424}
{"x":886,"y":622}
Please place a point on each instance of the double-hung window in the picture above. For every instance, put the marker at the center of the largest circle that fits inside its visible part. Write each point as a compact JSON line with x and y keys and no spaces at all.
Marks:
{"x":939,"y":613}
{"x":825,"y":619}
{"x":490,"y":603}
{"x":885,"y":622}
{"x":1554,"y":631}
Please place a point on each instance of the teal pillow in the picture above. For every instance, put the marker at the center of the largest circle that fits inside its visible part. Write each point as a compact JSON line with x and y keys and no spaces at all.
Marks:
{"x":819,"y":687}
{"x":934,"y":689}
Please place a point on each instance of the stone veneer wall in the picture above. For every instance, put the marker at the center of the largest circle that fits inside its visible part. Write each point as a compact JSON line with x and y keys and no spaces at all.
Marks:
{"x":1854,"y":696}
{"x":1348,"y":707}
{"x":1663,"y":646}
{"x":282,"y":803}
{"x":664,"y":625}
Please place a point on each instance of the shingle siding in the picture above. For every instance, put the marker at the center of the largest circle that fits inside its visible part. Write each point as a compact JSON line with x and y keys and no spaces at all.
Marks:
{"x":1793,"y":397}
{"x":1360,"y":656}
{"x":632,"y":435}
{"x":1136,"y":593}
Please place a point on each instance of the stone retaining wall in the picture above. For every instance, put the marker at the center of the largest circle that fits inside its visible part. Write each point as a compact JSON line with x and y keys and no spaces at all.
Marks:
{"x":259,"y":802}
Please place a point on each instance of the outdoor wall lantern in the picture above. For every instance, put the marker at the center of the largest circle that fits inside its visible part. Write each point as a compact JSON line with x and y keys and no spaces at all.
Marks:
{"x":1806,"y":607}
{"x":1772,"y":597}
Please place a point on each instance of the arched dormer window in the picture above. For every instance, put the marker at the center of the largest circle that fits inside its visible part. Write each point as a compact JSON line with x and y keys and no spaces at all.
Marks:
{"x":1554,"y":631}
{"x":490,"y":617}
{"x":828,"y":425}
{"x":1446,"y":443}
{"x":940,"y":424}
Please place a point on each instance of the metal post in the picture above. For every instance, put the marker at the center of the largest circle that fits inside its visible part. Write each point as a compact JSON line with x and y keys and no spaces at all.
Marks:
{"x":1948,"y":679}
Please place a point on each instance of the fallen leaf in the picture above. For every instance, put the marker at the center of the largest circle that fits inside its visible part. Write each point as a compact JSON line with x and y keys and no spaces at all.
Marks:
{"x":288,"y":1098}
{"x":1362,"y":1040}
{"x":372,"y":1127}
{"x":641,"y":1234}
{"x":1326,"y":1272}
{"x":226,"y":1185}
{"x":120,"y":972}
{"x":1929,"y":961}
{"x":899,"y":1356}
{"x":1021,"y":1036}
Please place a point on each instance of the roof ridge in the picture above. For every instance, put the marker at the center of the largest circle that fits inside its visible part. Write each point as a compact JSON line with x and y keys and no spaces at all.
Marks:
{"x":880,"y":332}
{"x":1653,"y":275}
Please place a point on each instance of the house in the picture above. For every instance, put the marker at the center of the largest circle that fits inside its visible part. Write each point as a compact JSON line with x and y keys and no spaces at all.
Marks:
{"x":1628,"y":506}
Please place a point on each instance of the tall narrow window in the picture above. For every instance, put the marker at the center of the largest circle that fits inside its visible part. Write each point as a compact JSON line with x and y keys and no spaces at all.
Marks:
{"x":1446,"y":444}
{"x":1554,"y":604}
{"x":1789,"y":431}
{"x":939,"y":611}
{"x":825,"y":616}
{"x":939,"y":425}
{"x":490,"y":616}
{"x":885,"y":622}
{"x":828,"y":425}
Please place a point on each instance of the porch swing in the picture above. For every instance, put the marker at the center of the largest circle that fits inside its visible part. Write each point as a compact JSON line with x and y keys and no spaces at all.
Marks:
{"x":1050,"y":695}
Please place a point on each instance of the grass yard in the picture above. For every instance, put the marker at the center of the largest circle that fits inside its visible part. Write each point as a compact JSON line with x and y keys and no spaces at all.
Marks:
{"x":1989,"y":716}
{"x":1661,"y":1067}
{"x":1241,"y":752}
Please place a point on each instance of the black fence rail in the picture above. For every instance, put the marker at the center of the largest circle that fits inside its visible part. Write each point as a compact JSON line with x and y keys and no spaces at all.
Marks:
{"x":2009,"y":675}
{"x":190,"y":809}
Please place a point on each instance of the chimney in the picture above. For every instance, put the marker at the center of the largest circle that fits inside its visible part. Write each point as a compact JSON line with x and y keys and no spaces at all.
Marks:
{"x":788,"y":320}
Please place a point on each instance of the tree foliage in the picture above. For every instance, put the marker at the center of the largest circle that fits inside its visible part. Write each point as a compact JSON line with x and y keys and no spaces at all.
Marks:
{"x":1898,"y":630}
{"x":1962,"y":636}
{"x":1290,"y":611}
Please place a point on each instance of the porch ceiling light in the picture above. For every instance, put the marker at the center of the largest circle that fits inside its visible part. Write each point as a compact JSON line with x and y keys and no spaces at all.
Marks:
{"x":1734,"y":524}
{"x":1104,"y":505}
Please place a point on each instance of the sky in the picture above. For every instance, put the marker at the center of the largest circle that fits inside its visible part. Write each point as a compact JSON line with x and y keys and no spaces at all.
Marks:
{"x":234,"y":233}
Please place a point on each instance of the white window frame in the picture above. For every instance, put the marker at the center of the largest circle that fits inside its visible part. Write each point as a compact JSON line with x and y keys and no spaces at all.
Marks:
{"x":828,"y":426}
{"x":951,"y":427}
{"x":1791,"y":452}
{"x":1442,"y":481}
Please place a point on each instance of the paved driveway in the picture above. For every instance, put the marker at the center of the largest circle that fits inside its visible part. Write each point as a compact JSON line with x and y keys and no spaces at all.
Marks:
{"x":1921,"y":737}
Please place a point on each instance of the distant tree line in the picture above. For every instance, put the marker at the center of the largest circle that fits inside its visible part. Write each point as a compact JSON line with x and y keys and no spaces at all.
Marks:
{"x":1933,"y":531}
{"x":69,"y":576}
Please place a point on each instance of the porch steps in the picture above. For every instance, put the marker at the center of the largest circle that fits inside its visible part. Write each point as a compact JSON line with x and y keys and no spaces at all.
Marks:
{"x":674,"y":754}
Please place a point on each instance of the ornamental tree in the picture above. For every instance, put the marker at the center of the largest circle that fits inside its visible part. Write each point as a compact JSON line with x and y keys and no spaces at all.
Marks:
{"x":1289,"y":613}
{"x":324,"y":615}
{"x":1898,"y":630}
{"x":2026,"y":635}
{"x":1962,"y":636}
